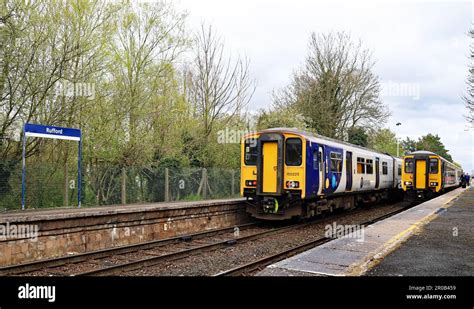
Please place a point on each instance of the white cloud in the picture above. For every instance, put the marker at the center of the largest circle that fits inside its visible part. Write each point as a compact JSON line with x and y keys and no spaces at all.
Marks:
{"x":422,"y":42}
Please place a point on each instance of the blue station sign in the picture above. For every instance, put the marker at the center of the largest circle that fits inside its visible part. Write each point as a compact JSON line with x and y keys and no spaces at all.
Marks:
{"x":37,"y":130}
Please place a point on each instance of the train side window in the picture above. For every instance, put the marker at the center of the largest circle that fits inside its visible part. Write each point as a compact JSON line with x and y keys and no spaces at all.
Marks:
{"x":315,"y":160}
{"x":293,"y":155}
{"x":409,"y":166}
{"x":360,"y":166}
{"x":399,"y":170}
{"x":370,"y":166}
{"x":250,"y":152}
{"x":433,"y":166}
{"x":384,"y":168}
{"x":336,"y":162}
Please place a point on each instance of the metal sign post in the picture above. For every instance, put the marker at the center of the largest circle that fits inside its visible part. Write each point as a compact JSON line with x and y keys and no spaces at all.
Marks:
{"x":37,"y":130}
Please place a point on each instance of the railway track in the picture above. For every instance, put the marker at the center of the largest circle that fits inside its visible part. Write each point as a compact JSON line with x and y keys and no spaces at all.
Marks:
{"x":221,"y":245}
{"x":171,"y":256}
{"x":117,"y":260}
{"x":124,"y":259}
{"x":258,"y":265}
{"x":199,"y":248}
{"x":78,"y":258}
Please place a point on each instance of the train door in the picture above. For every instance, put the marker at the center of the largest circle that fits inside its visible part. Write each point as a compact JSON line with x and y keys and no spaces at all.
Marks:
{"x":348,"y":171}
{"x":443,"y":175}
{"x":270,"y":164}
{"x":420,"y":173}
{"x":314,"y":173}
{"x":321,"y":169}
{"x":377,"y":173}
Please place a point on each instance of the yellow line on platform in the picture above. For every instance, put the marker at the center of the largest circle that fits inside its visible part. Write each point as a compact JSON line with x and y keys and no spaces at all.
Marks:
{"x":394,"y":242}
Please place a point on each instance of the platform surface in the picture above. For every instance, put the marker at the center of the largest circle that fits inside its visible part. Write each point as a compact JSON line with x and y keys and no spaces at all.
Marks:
{"x":445,"y":247}
{"x":68,"y":212}
{"x":353,"y":255}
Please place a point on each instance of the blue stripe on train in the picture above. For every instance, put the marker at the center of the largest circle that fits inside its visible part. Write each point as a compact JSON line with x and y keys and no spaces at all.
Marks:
{"x":312,"y":169}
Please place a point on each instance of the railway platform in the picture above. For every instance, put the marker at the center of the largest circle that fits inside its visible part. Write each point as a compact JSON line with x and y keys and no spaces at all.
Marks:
{"x":433,"y":238}
{"x":32,"y":235}
{"x":443,"y":248}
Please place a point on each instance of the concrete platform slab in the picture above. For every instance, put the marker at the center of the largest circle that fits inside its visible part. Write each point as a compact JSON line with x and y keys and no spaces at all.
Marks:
{"x":352,"y":256}
{"x":444,"y":247}
{"x":69,"y":212}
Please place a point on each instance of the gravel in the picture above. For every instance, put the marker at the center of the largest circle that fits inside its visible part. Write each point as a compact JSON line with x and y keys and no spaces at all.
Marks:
{"x":213,"y":262}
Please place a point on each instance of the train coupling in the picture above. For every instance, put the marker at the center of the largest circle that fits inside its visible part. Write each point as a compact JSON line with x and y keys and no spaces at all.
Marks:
{"x":420,"y":194}
{"x":270,"y":205}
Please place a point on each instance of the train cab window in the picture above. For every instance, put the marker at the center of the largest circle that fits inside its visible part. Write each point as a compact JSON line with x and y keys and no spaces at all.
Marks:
{"x":369,"y":167}
{"x":336,"y":162}
{"x":360,"y":166}
{"x":433,"y":166}
{"x":293,"y":152}
{"x":250,"y":152}
{"x":384,"y":168}
{"x":409,"y":166}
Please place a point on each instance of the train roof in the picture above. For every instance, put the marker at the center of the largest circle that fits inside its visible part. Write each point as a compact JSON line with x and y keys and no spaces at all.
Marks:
{"x":313,"y":135}
{"x":425,"y":152}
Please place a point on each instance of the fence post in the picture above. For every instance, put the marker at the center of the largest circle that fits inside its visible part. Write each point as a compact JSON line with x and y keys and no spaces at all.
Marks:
{"x":167,"y":185}
{"x":66,"y":196}
{"x":124,"y":186}
{"x":232,"y":192}
{"x":204,"y":182}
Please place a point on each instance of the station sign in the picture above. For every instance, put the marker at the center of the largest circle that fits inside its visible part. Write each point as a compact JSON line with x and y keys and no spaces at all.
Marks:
{"x":45,"y":131}
{"x":37,"y":130}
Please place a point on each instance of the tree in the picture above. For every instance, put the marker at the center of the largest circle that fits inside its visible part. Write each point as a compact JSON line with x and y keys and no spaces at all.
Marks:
{"x":148,"y":40}
{"x":43,"y":45}
{"x":278,"y":118}
{"x":427,"y":142}
{"x":219,"y":88}
{"x":384,"y":141}
{"x":408,"y":145}
{"x":469,"y":98}
{"x":433,"y":143}
{"x":336,"y":90}
{"x":357,"y":136}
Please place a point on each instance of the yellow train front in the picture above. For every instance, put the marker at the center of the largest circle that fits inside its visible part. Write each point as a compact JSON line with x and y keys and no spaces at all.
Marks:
{"x":287,"y":181}
{"x":425,"y":173}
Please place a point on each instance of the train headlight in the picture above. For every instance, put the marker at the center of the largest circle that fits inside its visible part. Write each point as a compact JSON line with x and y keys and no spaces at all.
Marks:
{"x":433,"y":184}
{"x":408,"y":183}
{"x":292,"y":184}
{"x":251,"y":183}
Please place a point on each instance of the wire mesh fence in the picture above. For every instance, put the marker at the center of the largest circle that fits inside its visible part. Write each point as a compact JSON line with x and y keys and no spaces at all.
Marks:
{"x":55,"y":185}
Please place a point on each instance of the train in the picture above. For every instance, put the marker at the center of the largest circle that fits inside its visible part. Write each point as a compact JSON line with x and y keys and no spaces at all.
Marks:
{"x":425,"y":173}
{"x":287,"y":173}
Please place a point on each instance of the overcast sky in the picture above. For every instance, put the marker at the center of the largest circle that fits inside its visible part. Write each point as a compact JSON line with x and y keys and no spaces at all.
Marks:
{"x":416,"y":44}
